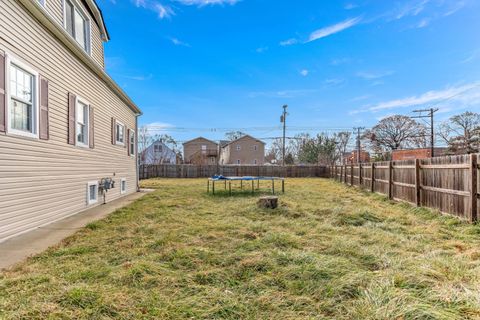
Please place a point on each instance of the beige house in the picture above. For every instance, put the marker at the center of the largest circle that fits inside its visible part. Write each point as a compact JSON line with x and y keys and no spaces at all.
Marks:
{"x":200,"y":151}
{"x":64,"y":123}
{"x":246,"y":150}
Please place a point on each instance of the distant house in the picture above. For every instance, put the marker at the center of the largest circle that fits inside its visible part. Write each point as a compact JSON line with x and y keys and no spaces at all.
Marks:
{"x":245,"y":150}
{"x":158,"y":153}
{"x":200,"y":151}
{"x":352,"y":157}
{"x":420,"y":153}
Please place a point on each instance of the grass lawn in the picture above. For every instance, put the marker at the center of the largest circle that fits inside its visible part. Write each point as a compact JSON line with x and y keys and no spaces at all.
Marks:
{"x":329,"y":252}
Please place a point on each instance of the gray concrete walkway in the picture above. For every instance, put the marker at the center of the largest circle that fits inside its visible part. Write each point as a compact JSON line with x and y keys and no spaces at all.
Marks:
{"x":17,"y":249}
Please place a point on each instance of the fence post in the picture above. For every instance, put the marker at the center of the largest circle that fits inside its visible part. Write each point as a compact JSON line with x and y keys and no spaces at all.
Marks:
{"x":372,"y":181}
{"x":390,"y":180}
{"x":351,"y":174}
{"x":418,"y":184}
{"x":473,"y":187}
{"x":360,"y":175}
{"x":345,"y":174}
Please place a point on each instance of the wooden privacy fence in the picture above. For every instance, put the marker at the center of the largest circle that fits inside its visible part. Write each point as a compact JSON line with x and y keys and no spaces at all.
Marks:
{"x":448,"y":184}
{"x":206,"y":171}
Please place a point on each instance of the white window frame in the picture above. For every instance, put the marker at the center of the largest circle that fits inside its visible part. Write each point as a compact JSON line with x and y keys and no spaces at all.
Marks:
{"x":239,"y":162}
{"x":122,"y":180}
{"x":239,"y":147}
{"x":132,"y":150}
{"x":255,"y":161}
{"x":255,"y":147}
{"x":118,"y":123}
{"x":89,"y":184}
{"x":88,"y":32}
{"x":35,"y":99}
{"x":43,"y":2}
{"x":87,"y":143}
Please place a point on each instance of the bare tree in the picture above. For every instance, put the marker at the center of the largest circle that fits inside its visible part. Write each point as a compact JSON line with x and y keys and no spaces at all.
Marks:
{"x":396,"y":132}
{"x":342,"y":139}
{"x":462,"y":132}
{"x":234,"y":135}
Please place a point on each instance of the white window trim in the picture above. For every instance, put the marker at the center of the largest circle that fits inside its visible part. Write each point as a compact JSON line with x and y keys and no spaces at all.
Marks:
{"x":89,"y":184}
{"x":132,"y":133}
{"x":239,"y":162}
{"x":80,"y":144}
{"x":88,"y":33}
{"x":43,"y":3}
{"x":35,"y":103}
{"x":255,"y":147}
{"x":121,"y":183}
{"x":116,"y":131}
{"x":239,"y":147}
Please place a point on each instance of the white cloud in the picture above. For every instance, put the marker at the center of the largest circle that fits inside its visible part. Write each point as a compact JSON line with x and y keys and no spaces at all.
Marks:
{"x":163,"y":11}
{"x":157,"y":127}
{"x":261,"y":49}
{"x":202,"y":3}
{"x":304,"y":72}
{"x":288,"y":42}
{"x":327,"y":31}
{"x":339,"y":61}
{"x":361,"y":98}
{"x":282,"y":93}
{"x":373,"y":75}
{"x":177,"y":42}
{"x":350,"y":6}
{"x":423,"y":23}
{"x":468,"y":94}
{"x":334,"y":81}
{"x":137,"y":77}
{"x":413,"y":8}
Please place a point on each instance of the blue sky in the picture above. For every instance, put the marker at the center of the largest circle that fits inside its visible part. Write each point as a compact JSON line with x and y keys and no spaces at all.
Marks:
{"x":337,"y":64}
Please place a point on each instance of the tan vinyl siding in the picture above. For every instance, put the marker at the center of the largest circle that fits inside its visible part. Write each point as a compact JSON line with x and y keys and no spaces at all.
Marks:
{"x":97,"y":45}
{"x":45,"y":180}
{"x":55,"y":9}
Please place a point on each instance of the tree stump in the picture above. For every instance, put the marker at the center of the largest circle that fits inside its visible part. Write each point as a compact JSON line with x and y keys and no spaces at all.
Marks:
{"x":270,"y":202}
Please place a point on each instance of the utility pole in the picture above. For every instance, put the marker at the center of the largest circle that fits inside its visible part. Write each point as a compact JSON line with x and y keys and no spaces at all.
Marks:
{"x":359,"y":145}
{"x":283,"y":119}
{"x":430,"y":114}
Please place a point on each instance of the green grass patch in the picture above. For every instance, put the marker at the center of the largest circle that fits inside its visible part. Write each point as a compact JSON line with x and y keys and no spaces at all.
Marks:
{"x":328,"y":252}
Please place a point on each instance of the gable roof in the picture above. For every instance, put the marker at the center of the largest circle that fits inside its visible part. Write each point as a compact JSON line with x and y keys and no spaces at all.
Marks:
{"x":199,"y":138}
{"x":98,"y":17}
{"x":37,"y":10}
{"x":243,"y":137}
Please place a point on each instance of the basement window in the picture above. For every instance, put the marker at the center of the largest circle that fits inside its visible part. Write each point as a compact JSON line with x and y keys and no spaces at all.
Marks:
{"x":123,"y":186}
{"x":92,"y":192}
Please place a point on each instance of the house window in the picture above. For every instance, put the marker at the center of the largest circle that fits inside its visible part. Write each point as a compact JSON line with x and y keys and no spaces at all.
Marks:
{"x":120,"y":133}
{"x":204,"y":149}
{"x":42,"y":2}
{"x":132,"y":143}
{"x":255,"y":161}
{"x":23,"y":102}
{"x":77,"y":25}
{"x":92,"y":192}
{"x":123,"y":185}
{"x":157,"y":148}
{"x":239,"y":147}
{"x":255,"y":147}
{"x":82,"y":122}
{"x":238,"y":161}
{"x":212,"y":160}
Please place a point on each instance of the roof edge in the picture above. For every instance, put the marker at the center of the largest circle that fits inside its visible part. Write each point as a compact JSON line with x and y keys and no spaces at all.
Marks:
{"x":34,"y":7}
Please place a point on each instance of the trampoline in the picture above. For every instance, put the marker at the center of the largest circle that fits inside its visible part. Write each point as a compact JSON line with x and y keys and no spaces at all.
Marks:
{"x":227,"y":181}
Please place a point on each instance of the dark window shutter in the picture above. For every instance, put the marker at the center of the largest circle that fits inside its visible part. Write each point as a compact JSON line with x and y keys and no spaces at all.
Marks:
{"x":128,"y":142}
{"x":3,"y":105}
{"x":71,"y":118}
{"x":43,"y":120}
{"x":125,"y":136}
{"x":91,"y":128}
{"x":114,"y":134}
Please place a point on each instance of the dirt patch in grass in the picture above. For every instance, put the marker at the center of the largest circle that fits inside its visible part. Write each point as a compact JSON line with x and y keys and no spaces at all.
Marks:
{"x":327,"y":252}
